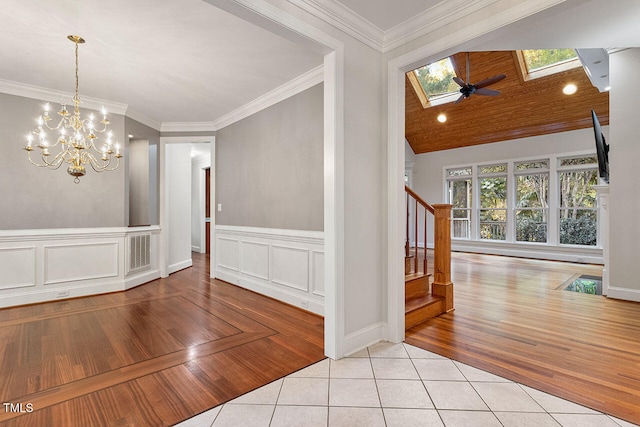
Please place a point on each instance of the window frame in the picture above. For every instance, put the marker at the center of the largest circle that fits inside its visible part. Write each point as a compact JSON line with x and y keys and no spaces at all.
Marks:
{"x":545,"y":71}
{"x":531,"y":171}
{"x":577,"y":168}
{"x":553,"y":200}
{"x":425,"y":100}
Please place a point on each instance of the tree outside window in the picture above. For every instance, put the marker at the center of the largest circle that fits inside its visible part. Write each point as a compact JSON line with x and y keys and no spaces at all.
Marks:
{"x":460,"y":196}
{"x":493,"y":208}
{"x":532,"y":204}
{"x":578,"y":207}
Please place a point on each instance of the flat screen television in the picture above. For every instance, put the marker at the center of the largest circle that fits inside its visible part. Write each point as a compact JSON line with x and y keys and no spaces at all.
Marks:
{"x":602,"y":149}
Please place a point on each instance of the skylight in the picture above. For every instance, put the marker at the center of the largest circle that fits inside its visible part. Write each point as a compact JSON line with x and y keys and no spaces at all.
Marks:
{"x":434,"y":82}
{"x":544,"y":62}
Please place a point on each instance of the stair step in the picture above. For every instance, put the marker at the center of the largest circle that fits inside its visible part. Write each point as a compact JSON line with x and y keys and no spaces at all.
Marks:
{"x":421,"y":308}
{"x":416,"y":285}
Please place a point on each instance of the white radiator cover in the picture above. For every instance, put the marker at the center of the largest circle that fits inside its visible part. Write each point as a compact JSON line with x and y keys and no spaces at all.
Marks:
{"x":139,"y":252}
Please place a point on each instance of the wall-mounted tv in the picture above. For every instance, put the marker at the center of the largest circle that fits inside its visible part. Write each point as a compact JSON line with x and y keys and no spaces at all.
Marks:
{"x":602,"y":148}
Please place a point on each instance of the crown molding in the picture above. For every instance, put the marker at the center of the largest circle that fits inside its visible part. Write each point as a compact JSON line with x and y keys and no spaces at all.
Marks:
{"x":50,"y":95}
{"x":287,"y":90}
{"x":431,"y":19}
{"x":293,"y":87}
{"x":141,"y":117}
{"x":188,"y":127}
{"x":446,"y":12}
{"x":341,"y":17}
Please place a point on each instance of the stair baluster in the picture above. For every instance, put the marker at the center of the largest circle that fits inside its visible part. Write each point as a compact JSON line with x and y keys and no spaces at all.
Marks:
{"x":438,"y":298}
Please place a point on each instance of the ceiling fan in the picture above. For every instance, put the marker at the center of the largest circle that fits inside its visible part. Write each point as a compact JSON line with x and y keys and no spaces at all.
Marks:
{"x":480,"y":88}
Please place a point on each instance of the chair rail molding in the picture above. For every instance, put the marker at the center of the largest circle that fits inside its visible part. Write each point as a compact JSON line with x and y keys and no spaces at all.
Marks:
{"x":52,"y":264}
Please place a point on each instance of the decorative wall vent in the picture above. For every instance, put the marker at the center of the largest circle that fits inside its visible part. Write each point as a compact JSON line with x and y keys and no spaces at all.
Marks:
{"x":139,"y":252}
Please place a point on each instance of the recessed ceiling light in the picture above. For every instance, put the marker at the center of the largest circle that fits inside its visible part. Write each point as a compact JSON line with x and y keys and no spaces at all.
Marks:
{"x":442,"y":118}
{"x":570,"y":89}
{"x":130,"y":136}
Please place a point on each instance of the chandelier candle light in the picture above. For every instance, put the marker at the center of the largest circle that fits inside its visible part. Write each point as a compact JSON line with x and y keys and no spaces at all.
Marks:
{"x":77,"y":138}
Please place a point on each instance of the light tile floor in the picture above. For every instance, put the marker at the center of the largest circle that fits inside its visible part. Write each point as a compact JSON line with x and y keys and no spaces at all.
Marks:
{"x":398,"y":385}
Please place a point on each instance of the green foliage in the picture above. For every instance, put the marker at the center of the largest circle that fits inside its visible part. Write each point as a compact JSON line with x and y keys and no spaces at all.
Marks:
{"x":584,"y":286}
{"x":579,"y":231}
{"x":530,"y":230}
{"x":537,"y":59}
{"x":493,"y":192}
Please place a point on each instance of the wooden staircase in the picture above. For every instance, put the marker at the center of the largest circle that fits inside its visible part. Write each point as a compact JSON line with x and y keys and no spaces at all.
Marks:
{"x":419,"y":303}
{"x":427,"y":295}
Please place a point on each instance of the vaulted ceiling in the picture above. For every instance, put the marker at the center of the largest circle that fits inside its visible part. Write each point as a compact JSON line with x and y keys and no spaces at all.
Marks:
{"x":523,"y":109}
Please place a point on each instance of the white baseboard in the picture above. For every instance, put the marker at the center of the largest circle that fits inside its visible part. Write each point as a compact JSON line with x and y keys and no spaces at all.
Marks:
{"x":623,"y":293}
{"x":141,"y":278}
{"x":50,"y":295}
{"x":180,"y":265}
{"x":262,"y":287}
{"x":363,"y":338}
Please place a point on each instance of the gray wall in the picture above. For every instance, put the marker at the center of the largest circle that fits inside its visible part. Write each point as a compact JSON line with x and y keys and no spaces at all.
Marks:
{"x":269,"y":166}
{"x":142,"y":209}
{"x":37,"y":198}
{"x":138,"y":161}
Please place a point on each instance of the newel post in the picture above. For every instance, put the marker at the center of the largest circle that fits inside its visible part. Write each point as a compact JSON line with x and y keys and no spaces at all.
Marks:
{"x":442,"y":285}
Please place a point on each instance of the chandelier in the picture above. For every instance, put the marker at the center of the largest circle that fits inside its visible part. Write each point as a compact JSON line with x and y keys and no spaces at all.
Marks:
{"x":76,"y":143}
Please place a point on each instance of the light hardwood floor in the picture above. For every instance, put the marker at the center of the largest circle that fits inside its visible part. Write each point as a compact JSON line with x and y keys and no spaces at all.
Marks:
{"x":512,"y":319}
{"x":152,"y":356}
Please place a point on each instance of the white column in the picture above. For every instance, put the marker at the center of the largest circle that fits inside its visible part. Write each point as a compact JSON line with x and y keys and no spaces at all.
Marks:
{"x":603,"y":232}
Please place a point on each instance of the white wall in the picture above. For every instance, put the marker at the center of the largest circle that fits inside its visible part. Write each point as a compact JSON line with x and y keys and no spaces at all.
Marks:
{"x":624,"y":187}
{"x":198,"y":239}
{"x":178,"y":199}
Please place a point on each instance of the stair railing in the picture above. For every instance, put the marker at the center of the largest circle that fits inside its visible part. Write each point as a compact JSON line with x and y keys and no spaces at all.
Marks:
{"x":442,"y":285}
{"x":413,"y":198}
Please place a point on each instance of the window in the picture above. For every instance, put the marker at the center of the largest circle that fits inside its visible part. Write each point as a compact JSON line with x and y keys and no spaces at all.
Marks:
{"x":434,"y":83}
{"x":493,"y":202}
{"x":548,"y":201}
{"x":544,"y":62}
{"x":532,"y":189}
{"x":459,"y":185}
{"x":578,"y":204}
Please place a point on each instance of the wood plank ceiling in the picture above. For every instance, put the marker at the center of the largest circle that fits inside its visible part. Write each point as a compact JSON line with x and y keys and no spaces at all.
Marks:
{"x":523,"y":109}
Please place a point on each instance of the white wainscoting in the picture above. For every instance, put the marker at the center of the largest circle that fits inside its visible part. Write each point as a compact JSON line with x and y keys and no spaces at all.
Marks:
{"x":287,"y":265}
{"x":46,"y":265}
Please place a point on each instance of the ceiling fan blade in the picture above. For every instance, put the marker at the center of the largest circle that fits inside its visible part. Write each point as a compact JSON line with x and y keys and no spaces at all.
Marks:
{"x":490,"y":80}
{"x":468,"y":69}
{"x":460,"y":82}
{"x":460,"y":99}
{"x":487,"y":92}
